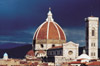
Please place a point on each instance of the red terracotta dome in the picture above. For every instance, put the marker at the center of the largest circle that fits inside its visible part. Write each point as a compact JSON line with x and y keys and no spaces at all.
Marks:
{"x":49,"y":32}
{"x":30,"y":53}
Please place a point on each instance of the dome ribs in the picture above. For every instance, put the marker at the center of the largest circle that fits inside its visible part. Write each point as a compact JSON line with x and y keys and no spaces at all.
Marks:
{"x":62,"y":36}
{"x":57,"y":30}
{"x":43,"y":32}
{"x":49,"y":32}
{"x":35,"y":34}
{"x":53,"y":33}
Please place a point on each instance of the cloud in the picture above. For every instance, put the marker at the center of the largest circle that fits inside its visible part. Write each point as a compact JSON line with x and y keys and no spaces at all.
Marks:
{"x":25,"y":36}
{"x":1,"y":41}
{"x":76,"y":35}
{"x":20,"y":36}
{"x":19,"y":18}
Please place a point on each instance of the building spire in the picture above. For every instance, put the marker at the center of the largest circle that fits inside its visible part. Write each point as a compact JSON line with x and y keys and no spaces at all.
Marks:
{"x":49,"y":16}
{"x":49,"y":8}
{"x":84,"y":52}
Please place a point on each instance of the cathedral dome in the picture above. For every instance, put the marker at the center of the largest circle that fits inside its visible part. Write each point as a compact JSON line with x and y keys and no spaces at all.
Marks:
{"x":30,"y":53}
{"x":49,"y":32}
{"x":5,"y":57}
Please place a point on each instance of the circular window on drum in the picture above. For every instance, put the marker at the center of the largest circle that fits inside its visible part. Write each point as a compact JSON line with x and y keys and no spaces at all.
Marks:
{"x":70,"y":52}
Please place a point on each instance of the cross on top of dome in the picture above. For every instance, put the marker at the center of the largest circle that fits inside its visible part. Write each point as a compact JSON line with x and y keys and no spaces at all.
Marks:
{"x":49,"y":8}
{"x":49,"y":16}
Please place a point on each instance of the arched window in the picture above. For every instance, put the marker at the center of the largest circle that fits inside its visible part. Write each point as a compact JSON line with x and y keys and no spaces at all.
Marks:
{"x":93,"y":32}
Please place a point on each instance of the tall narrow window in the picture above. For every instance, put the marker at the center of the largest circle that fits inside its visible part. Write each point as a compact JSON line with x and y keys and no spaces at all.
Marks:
{"x":56,"y":53}
{"x":94,"y":53}
{"x":60,"y":52}
{"x":94,"y":44}
{"x":91,"y":44}
{"x":93,"y":31}
{"x":91,"y":54}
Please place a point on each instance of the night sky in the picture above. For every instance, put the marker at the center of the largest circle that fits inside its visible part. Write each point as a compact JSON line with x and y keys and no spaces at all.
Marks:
{"x":20,"y":18}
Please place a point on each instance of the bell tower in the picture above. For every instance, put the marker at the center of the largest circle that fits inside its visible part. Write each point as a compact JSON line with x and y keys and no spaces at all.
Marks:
{"x":92,"y":24}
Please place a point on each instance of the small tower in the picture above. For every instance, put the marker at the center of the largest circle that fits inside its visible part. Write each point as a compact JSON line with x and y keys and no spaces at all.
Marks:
{"x":5,"y":56}
{"x":92,"y":24}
